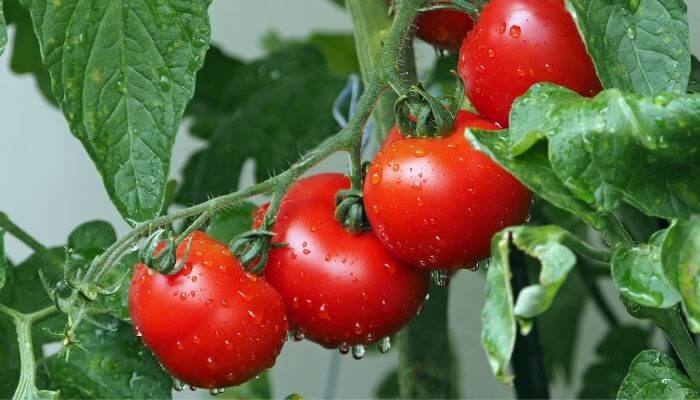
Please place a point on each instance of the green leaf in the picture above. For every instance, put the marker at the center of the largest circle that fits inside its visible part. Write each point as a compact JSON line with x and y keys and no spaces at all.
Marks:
{"x":3,"y":259}
{"x":639,"y":46}
{"x":26,"y":57}
{"x":534,"y":170}
{"x":218,"y":70}
{"x":114,"y":365}
{"x":388,"y":387}
{"x":231,"y":222}
{"x":544,"y":243}
{"x":428,"y":367}
{"x":498,"y":327}
{"x":8,"y":382}
{"x":258,"y":388}
{"x":614,"y":354}
{"x":123,"y":73}
{"x":654,"y":375}
{"x":597,"y":147}
{"x":338,"y":49}
{"x":3,"y":30}
{"x":680,"y":255}
{"x":92,"y":237}
{"x":266,"y":88}
{"x":694,"y":83}
{"x":639,"y":276}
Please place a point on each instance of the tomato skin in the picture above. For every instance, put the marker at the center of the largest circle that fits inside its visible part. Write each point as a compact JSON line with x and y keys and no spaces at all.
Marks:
{"x":517,"y":43}
{"x":339,"y":288}
{"x":211,"y":324}
{"x":444,"y":29}
{"x":436,"y":203}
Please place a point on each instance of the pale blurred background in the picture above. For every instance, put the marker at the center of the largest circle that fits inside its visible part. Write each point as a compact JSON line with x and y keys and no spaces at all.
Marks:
{"x":48,"y":185}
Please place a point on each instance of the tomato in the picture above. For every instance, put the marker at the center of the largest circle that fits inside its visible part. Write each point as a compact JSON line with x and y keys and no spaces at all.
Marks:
{"x":517,"y":43}
{"x":211,"y":324}
{"x":340,"y":289}
{"x":444,"y":29}
{"x":436,"y":203}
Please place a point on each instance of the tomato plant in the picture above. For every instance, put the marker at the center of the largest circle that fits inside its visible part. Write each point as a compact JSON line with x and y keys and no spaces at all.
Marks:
{"x":516,"y":44}
{"x":213,"y":309}
{"x":340,"y":289}
{"x":563,"y":155}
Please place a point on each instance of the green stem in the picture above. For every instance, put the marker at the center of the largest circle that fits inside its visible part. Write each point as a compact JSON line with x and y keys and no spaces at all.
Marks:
{"x":371,"y":22}
{"x":670,"y":321}
{"x":615,"y":234}
{"x":26,"y":387}
{"x":427,"y":362}
{"x":27,"y":239}
{"x":587,"y":251}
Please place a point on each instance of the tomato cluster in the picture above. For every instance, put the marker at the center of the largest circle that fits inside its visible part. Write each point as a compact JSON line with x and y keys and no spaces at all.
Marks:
{"x":432,"y":203}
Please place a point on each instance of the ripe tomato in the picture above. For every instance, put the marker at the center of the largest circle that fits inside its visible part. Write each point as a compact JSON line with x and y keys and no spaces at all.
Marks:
{"x":517,"y":43}
{"x":436,"y":203}
{"x":340,"y":289}
{"x":444,"y":29}
{"x":211,"y":324}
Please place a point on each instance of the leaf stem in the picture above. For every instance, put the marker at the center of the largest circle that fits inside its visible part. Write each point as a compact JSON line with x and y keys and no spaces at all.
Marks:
{"x":27,"y":239}
{"x":26,"y":387}
{"x":670,"y":321}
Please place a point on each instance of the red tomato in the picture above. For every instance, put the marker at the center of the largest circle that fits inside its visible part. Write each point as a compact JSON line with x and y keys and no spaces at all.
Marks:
{"x":340,"y":289}
{"x":444,"y":29}
{"x":436,"y":203}
{"x":211,"y":324}
{"x":517,"y":43}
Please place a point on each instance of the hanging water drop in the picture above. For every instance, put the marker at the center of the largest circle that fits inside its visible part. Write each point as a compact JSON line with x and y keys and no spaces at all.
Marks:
{"x":344,"y":348}
{"x":216,"y":391}
{"x":178,"y":386}
{"x":440,"y":277}
{"x":297,"y":335}
{"x":384,"y":344}
{"x":358,"y":351}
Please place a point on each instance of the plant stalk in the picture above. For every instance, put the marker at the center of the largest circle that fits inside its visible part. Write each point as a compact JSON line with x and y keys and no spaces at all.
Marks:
{"x":528,"y":366}
{"x":670,"y":321}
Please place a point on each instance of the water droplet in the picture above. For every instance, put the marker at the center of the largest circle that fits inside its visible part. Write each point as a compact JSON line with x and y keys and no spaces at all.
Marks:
{"x":491,"y":53}
{"x":323,"y":312}
{"x":631,"y":32}
{"x":245,"y":296}
{"x":178,"y":386}
{"x":520,"y":72}
{"x":211,"y":364}
{"x":297,"y":335}
{"x":228,"y":345}
{"x":256,"y":316}
{"x":192,"y":388}
{"x":195,"y":339}
{"x":121,"y":86}
{"x":358,"y":328}
{"x":306,"y":252}
{"x":358,"y":351}
{"x":137,"y":332}
{"x":179,"y":345}
{"x":375,"y":178}
{"x":395,"y":167}
{"x":420,"y":153}
{"x":183,"y":296}
{"x":502,"y":28}
{"x":514,"y":31}
{"x":216,"y":391}
{"x":440,"y":277}
{"x":384,"y":344}
{"x":390,"y":267}
{"x":344,"y":348}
